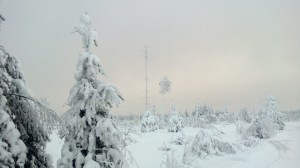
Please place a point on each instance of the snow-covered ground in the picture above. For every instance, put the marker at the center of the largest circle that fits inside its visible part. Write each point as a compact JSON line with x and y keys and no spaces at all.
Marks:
{"x":282,"y":150}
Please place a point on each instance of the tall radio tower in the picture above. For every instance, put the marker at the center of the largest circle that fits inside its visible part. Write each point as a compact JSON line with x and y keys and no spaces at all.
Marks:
{"x":146,"y":75}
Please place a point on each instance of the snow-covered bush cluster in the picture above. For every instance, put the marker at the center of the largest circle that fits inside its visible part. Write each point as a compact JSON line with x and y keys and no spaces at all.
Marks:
{"x":172,"y":161}
{"x":263,"y":124}
{"x":204,"y":144}
{"x":225,"y":116}
{"x":92,"y":139}
{"x":175,"y":121}
{"x":204,"y":115}
{"x":178,"y":139}
{"x":150,"y":122}
{"x":292,"y":115}
{"x":128,"y":122}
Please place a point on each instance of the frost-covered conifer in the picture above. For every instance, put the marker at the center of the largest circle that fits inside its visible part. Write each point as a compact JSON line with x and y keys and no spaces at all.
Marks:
{"x":12,"y":148}
{"x":175,"y":121}
{"x":92,"y":139}
{"x":272,"y":111}
{"x":150,"y":122}
{"x":25,"y":113}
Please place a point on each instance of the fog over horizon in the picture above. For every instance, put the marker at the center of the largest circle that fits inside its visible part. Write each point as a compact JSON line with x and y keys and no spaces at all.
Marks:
{"x":221,"y":53}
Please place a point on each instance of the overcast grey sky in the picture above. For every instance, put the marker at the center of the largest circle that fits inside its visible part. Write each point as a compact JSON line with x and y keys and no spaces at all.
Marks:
{"x":230,"y":52}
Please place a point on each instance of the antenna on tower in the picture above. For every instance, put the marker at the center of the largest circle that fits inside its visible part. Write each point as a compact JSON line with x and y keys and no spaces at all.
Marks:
{"x":146,"y":75}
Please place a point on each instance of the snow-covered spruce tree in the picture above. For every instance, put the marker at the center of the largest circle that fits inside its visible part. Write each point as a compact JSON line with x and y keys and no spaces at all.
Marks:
{"x":12,"y":148}
{"x":92,"y":139}
{"x":272,"y":111}
{"x":175,"y":121}
{"x":150,"y":122}
{"x":25,"y":111}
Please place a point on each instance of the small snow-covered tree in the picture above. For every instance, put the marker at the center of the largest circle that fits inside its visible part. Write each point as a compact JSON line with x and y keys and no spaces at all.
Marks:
{"x":150,"y":122}
{"x":92,"y":139}
{"x":175,"y":121}
{"x":272,"y":111}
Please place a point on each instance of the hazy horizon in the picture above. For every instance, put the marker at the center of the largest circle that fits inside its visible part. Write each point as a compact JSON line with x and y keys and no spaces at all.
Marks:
{"x":218,"y":52}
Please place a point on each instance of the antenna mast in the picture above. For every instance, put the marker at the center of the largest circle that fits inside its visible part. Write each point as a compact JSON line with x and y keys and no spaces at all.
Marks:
{"x":146,"y":75}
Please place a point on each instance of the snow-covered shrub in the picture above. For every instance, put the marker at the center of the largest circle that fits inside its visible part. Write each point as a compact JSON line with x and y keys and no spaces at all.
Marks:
{"x":225,"y":116}
{"x":150,"y":122}
{"x":261,"y":128}
{"x":249,"y":142}
{"x":211,"y":118}
{"x":267,"y":122}
{"x":204,"y":144}
{"x":244,"y":116}
{"x":178,"y":139}
{"x":204,"y":115}
{"x":128,"y":126}
{"x":172,"y":161}
{"x":92,"y":139}
{"x":175,"y":121}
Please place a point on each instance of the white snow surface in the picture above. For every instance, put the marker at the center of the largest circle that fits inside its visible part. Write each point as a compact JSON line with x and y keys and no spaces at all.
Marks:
{"x":280,"y":151}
